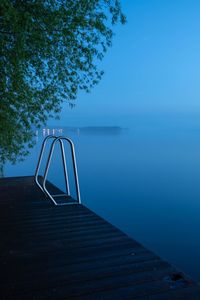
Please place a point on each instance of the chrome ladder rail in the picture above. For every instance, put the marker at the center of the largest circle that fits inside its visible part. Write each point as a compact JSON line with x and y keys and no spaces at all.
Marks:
{"x":43,"y":188}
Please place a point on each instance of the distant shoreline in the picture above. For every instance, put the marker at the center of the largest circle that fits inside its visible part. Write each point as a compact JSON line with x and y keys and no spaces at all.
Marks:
{"x":81,"y":130}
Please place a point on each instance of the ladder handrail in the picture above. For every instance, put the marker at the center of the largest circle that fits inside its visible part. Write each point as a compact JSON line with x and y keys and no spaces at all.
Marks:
{"x":43,"y":187}
{"x":40,"y":160}
{"x":74,"y":167}
{"x":65,"y":167}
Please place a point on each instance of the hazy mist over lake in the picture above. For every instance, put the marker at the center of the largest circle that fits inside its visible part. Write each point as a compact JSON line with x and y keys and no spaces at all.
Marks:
{"x":143,"y":178}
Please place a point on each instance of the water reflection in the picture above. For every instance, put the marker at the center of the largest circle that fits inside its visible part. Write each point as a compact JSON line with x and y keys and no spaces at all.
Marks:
{"x":144,"y":180}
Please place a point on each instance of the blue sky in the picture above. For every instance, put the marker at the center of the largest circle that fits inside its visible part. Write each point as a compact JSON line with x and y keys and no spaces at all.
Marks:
{"x":152,"y":67}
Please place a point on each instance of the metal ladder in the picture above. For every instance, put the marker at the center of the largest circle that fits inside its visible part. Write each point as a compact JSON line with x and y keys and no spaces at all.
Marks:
{"x":54,"y":140}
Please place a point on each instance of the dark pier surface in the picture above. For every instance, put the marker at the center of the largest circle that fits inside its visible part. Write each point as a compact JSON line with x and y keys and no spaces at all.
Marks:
{"x":68,"y":252}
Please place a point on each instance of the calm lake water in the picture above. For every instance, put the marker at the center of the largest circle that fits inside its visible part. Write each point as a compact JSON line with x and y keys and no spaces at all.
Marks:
{"x":143,"y":178}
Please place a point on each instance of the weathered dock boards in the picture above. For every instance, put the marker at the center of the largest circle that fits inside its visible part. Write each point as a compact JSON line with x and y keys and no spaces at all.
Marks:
{"x":69,"y":252}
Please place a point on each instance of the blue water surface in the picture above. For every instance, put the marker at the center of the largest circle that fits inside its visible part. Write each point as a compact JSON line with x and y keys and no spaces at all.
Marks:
{"x":142,"y":177}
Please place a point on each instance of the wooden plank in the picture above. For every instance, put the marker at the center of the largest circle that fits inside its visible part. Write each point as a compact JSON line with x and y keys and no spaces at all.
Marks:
{"x":69,"y":252}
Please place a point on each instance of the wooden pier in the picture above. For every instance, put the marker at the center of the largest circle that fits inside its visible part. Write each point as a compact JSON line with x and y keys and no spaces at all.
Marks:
{"x":68,"y":252}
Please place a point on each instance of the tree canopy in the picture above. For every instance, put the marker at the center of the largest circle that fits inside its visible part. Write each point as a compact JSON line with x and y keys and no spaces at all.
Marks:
{"x":49,"y":50}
